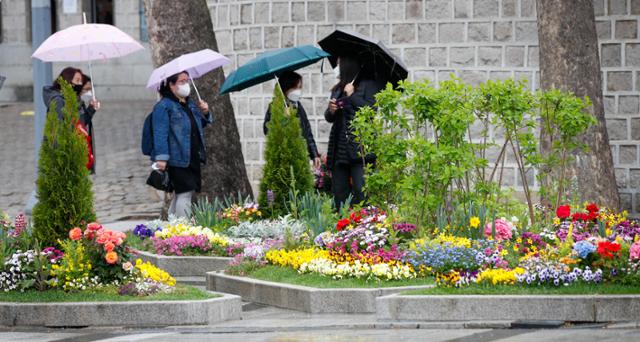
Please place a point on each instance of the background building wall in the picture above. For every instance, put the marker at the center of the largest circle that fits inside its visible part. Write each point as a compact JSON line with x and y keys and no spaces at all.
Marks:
{"x":474,"y":39}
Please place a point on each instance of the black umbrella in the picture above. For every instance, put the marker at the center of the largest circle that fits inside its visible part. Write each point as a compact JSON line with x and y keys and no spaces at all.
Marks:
{"x":374,"y":56}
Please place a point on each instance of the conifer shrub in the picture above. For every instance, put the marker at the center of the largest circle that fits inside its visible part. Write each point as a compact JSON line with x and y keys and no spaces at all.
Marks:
{"x":287,"y":160}
{"x":65,"y":196}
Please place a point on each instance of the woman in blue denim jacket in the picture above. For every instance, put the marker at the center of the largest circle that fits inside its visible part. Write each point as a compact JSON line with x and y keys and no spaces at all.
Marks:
{"x":178,"y":139}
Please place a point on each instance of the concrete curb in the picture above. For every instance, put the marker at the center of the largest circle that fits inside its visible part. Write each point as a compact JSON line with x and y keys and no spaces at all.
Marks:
{"x":185,"y":266}
{"x":575,"y":308}
{"x":123,"y":314}
{"x":302,"y":298}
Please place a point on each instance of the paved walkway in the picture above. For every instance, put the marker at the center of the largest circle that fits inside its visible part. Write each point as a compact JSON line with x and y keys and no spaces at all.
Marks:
{"x":261,"y":323}
{"x":119,"y":183}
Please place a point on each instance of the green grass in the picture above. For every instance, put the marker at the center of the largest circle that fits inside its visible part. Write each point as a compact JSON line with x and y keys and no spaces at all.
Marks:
{"x":290,"y":276}
{"x":139,"y":244}
{"x":575,"y":289}
{"x":108,"y":294}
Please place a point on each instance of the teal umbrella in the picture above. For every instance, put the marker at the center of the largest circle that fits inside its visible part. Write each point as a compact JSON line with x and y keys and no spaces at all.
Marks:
{"x":269,"y":64}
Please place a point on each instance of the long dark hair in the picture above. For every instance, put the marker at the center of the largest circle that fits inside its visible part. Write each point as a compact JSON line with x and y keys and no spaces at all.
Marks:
{"x":67,"y":75}
{"x":165,"y":90}
{"x":289,"y":80}
{"x":350,"y":68}
{"x":85,"y":79}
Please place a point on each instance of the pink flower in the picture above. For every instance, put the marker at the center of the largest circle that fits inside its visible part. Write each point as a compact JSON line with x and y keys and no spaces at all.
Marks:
{"x":503,"y":230}
{"x":634,"y":251}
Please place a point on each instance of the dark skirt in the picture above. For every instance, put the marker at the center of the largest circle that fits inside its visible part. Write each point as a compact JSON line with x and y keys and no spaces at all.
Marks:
{"x":185,"y":179}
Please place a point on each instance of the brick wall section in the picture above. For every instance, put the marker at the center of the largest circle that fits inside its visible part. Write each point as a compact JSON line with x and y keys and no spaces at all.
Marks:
{"x":475,"y":39}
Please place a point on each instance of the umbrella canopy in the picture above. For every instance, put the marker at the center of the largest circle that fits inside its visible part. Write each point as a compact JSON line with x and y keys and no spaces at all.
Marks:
{"x":196,"y":64}
{"x":375,"y":57}
{"x":269,"y":64}
{"x":86,"y":42}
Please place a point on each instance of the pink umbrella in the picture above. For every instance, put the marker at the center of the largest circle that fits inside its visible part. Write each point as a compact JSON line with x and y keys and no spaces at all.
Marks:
{"x":196,"y":64}
{"x":86,"y":43}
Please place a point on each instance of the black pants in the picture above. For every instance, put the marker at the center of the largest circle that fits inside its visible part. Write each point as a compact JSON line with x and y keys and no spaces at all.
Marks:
{"x":347,"y":179}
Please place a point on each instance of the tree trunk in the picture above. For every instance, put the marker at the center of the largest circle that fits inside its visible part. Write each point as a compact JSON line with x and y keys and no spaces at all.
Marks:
{"x":569,"y":61}
{"x":179,"y":27}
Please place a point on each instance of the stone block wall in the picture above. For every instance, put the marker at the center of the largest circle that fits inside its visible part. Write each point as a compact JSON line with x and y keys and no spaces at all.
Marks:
{"x":474,"y":39}
{"x":122,"y":78}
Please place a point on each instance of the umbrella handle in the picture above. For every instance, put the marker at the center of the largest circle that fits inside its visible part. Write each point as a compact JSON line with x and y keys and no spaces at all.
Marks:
{"x":285,"y":96}
{"x":196,"y":88}
{"x":93,"y":90}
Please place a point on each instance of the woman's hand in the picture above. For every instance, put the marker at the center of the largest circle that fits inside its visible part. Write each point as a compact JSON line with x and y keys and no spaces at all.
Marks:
{"x":203,"y":106}
{"x":349,"y":89}
{"x":95,"y":104}
{"x":317,"y":162}
{"x":161,"y":164}
{"x":333,"y":106}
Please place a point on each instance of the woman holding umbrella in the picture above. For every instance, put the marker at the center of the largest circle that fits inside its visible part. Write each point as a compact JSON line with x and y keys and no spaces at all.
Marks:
{"x":178,"y":139}
{"x":353,"y":91}
{"x":291,"y":85}
{"x":52,"y":96}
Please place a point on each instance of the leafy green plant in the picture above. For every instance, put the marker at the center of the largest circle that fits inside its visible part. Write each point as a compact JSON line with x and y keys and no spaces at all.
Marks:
{"x":424,"y":160}
{"x":315,"y":209}
{"x":65,"y":197}
{"x":564,"y":117}
{"x":513,"y":112}
{"x":286,"y":158}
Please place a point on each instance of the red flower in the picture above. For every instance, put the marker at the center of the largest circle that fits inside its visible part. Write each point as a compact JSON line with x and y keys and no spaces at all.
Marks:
{"x":606,"y":249}
{"x":563,"y":211}
{"x":342,"y":223}
{"x":580,"y":217}
{"x":355,"y":217}
{"x":592,"y":208}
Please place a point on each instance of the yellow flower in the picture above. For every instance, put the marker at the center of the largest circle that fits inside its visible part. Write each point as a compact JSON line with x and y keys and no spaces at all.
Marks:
{"x":556,"y":221}
{"x":150,"y":271}
{"x":474,"y":222}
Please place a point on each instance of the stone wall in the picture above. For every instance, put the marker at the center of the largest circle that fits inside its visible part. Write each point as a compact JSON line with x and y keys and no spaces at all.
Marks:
{"x":115,"y":79}
{"x":475,"y":39}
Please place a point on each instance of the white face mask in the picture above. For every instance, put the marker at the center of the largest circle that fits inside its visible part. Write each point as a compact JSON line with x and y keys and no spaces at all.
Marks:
{"x":336,"y":72}
{"x":87,"y":97}
{"x":294,"y":95}
{"x":184,"y":90}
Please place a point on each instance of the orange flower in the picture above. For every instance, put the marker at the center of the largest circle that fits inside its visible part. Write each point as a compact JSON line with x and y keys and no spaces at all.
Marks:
{"x":94,"y":226}
{"x":109,"y":246}
{"x":111,"y":258}
{"x":102,"y":238}
{"x":75,"y":234}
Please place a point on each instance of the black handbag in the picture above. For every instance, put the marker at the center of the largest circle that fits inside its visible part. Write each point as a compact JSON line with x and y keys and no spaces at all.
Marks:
{"x":159,"y":179}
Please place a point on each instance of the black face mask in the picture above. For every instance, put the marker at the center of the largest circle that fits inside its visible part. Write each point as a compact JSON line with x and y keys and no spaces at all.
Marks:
{"x":77,"y":88}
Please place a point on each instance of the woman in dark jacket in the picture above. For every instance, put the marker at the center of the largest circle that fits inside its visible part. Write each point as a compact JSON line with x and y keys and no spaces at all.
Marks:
{"x":352,"y":92}
{"x":52,"y":96}
{"x":88,"y":108}
{"x":291,"y":84}
{"x":178,"y":139}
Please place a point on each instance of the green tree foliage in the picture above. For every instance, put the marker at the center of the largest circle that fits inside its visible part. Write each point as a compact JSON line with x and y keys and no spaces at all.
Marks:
{"x":287,"y":162}
{"x":65,"y":197}
{"x":442,"y":150}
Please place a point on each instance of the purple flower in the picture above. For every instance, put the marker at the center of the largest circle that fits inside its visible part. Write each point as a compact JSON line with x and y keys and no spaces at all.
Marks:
{"x":181,"y":245}
{"x":271,"y":198}
{"x":144,"y":232}
{"x":404,"y":227}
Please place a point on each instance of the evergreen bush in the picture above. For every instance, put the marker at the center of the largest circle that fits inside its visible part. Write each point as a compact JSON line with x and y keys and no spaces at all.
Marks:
{"x":287,"y":160}
{"x":65,"y":197}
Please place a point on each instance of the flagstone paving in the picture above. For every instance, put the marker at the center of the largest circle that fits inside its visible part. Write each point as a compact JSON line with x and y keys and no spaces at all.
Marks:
{"x":119,"y":183}
{"x":263,"y":323}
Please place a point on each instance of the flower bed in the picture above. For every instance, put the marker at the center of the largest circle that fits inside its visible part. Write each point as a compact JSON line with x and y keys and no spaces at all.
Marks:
{"x":91,"y":259}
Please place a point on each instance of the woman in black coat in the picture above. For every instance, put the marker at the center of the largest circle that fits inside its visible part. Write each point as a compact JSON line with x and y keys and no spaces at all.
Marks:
{"x":291,"y":84}
{"x":353,"y":91}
